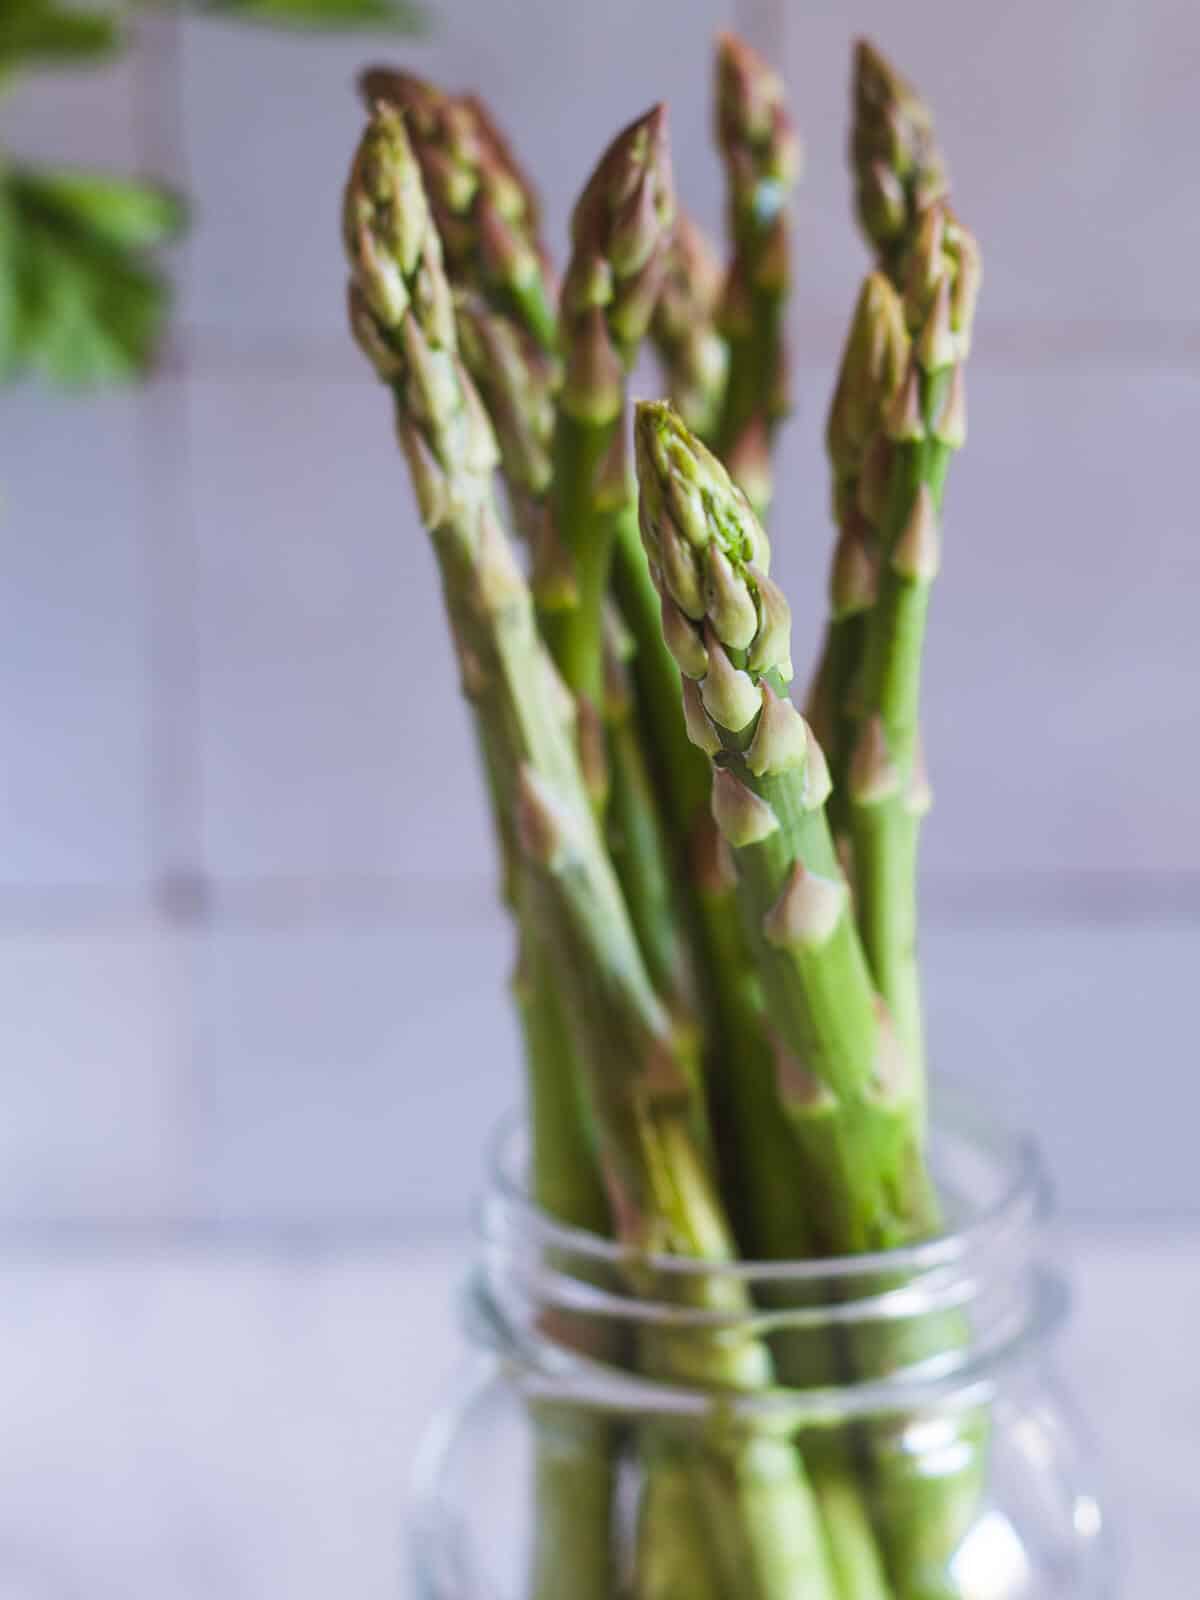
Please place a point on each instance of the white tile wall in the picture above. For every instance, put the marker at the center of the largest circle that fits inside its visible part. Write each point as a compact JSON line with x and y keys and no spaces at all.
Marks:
{"x":352,"y":1073}
{"x":327,"y":694}
{"x":74,"y":622}
{"x":210,"y":689}
{"x":93,"y":1078}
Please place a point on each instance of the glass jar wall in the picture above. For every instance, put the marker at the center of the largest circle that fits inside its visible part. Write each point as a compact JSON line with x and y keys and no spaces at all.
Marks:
{"x":881,"y":1427}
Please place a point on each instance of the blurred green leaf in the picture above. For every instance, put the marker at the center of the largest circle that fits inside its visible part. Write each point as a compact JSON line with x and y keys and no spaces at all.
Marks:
{"x":43,"y":33}
{"x":122,"y":211}
{"x":403,"y":15}
{"x":79,"y":304}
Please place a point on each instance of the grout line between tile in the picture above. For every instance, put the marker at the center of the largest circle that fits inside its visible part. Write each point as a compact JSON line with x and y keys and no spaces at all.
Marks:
{"x":1002,"y":348}
{"x":965,"y":900}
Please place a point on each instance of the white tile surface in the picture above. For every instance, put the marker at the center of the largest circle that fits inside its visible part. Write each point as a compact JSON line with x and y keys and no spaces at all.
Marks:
{"x":1063,"y":129}
{"x":198,"y":1426}
{"x":266,"y":258}
{"x":92,"y":1075}
{"x":86,"y":115}
{"x":351,"y":1073}
{"x":331,"y":735}
{"x":1080,"y":1031}
{"x":74,"y":690}
{"x":1061,"y":721}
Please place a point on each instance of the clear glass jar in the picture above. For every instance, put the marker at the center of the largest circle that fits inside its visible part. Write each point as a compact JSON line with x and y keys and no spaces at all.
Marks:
{"x":896,"y":1434}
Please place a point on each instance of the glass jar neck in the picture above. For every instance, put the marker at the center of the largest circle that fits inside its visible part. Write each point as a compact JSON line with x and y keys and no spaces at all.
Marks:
{"x":575,"y":1316}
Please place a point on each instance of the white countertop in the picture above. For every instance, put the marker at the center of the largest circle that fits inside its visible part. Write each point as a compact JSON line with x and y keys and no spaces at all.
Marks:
{"x":216,"y":1423}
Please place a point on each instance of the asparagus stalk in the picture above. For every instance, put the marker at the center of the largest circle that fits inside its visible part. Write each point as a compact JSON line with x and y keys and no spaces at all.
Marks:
{"x":851,"y":1095}
{"x":873,"y":364}
{"x":853,"y":1098}
{"x":487,"y":214}
{"x":762,"y":162}
{"x":922,"y":426}
{"x":402,"y":316}
{"x":691,"y":350}
{"x":644,"y":1106}
{"x":467,"y":160}
{"x":620,"y":230}
{"x":898,"y":169}
{"x":776,"y":1212}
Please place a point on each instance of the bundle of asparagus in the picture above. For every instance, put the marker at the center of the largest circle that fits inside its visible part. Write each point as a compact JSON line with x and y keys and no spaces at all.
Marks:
{"x":713,"y":895}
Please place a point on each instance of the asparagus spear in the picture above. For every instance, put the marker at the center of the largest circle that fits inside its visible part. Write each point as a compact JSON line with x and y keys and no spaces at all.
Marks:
{"x":846,"y":1086}
{"x":691,"y":350}
{"x":484,"y":207}
{"x":853,"y":1097}
{"x":401,"y":314}
{"x":873,"y":364}
{"x":762,"y":162}
{"x":619,"y":233}
{"x":898,"y":168}
{"x":646,"y":1111}
{"x":888,"y":792}
{"x":487,"y":214}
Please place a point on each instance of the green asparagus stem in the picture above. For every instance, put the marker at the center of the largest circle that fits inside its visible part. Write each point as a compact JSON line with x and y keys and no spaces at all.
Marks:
{"x":852,"y":1099}
{"x":759,"y":1504}
{"x":898,"y":169}
{"x":634,"y":833}
{"x":691,"y":350}
{"x":762,"y":163}
{"x":402,"y":316}
{"x":923,"y":425}
{"x":775,"y":1210}
{"x":518,"y":383}
{"x":619,"y":232}
{"x":647,"y":1115}
{"x":850,"y":1093}
{"x":873,"y":364}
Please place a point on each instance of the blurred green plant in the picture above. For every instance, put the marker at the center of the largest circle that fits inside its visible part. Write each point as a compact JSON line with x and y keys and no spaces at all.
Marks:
{"x":82,"y":300}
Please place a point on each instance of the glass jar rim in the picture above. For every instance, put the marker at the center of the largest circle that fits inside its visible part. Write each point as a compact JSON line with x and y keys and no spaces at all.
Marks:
{"x":987,"y":1265}
{"x":1021,"y":1198}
